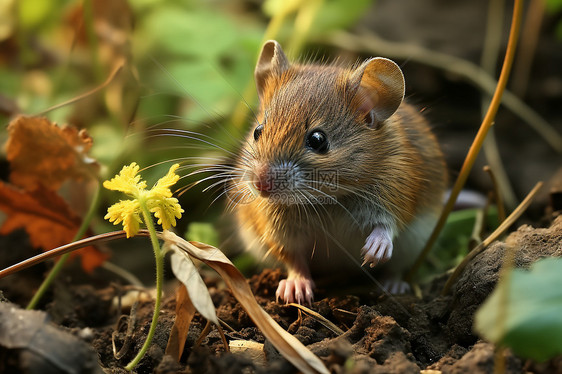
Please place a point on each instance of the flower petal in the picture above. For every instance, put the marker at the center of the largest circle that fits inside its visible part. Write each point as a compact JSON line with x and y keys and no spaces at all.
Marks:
{"x":127,"y":181}
{"x":128,"y":212}
{"x":162,"y":187}
{"x":166,"y":210}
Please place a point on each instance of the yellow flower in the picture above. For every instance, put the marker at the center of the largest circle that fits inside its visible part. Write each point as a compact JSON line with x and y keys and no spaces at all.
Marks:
{"x":157,"y":200}
{"x":127,"y":181}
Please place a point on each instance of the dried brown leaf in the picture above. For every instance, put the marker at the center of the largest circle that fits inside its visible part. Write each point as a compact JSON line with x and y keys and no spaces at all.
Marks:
{"x":40,"y":152}
{"x":47,"y":219}
{"x":289,"y":346}
{"x":184,"y":315}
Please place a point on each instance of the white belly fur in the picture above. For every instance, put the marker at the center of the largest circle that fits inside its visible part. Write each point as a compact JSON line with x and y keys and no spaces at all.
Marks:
{"x":338,"y":249}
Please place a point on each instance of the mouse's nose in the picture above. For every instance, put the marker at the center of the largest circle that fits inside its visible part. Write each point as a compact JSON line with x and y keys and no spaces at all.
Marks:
{"x":262,"y":180}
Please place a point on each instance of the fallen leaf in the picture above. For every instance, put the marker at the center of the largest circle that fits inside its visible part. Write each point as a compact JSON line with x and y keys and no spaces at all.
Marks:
{"x":184,"y":314}
{"x":186,"y":272}
{"x":47,"y":219}
{"x":289,"y":346}
{"x":40,"y":345}
{"x":42,"y":153}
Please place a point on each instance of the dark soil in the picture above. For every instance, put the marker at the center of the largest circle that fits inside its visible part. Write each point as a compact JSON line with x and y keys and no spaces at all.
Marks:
{"x":382,"y":333}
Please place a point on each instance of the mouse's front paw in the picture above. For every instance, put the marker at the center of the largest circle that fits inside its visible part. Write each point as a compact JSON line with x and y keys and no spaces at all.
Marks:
{"x":378,"y":247}
{"x":298,"y":289}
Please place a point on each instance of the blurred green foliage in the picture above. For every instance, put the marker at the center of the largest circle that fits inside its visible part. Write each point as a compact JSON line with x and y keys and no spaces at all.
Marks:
{"x":456,"y":240}
{"x":523,"y":311}
{"x":203,"y":232}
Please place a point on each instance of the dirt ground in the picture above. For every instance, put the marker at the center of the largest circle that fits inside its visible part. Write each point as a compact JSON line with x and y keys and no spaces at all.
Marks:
{"x":382,"y":333}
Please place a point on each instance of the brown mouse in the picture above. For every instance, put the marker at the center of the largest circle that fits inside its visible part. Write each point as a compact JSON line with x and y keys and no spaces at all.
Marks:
{"x":338,"y":172}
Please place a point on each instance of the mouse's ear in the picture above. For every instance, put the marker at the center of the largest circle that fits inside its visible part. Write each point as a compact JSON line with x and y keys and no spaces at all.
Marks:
{"x":272,"y":61}
{"x":379,"y":89}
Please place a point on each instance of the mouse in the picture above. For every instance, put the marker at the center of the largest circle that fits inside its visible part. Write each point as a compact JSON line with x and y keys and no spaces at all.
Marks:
{"x":338,"y":175}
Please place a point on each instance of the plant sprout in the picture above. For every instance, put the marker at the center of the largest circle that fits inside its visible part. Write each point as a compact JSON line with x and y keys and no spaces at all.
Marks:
{"x":159,"y":201}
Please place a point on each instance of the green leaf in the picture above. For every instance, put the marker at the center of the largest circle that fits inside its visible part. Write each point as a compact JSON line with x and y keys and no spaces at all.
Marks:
{"x":202,"y":232}
{"x":205,"y":56}
{"x":452,"y":244}
{"x":192,"y":33}
{"x":108,"y":144}
{"x":529,"y":319}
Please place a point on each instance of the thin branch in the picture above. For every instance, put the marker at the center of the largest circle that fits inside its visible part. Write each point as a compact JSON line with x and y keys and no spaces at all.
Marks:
{"x":101,"y":238}
{"x":478,"y":140}
{"x":109,"y":79}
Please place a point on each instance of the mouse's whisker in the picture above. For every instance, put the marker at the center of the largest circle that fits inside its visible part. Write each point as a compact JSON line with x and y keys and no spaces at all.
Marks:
{"x":334,"y":200}
{"x":195,"y":138}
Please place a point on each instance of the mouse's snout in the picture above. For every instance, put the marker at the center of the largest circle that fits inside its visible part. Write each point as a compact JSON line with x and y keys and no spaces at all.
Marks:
{"x":262,"y":180}
{"x":276,"y":179}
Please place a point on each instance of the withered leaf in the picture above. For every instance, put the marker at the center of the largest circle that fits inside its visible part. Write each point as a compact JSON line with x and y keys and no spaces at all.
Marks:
{"x":185,"y":271}
{"x":47,"y":219}
{"x":40,"y":152}
{"x":289,"y":346}
{"x":184,"y":315}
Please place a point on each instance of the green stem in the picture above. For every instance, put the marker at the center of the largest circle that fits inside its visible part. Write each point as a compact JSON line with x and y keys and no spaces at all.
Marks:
{"x":159,"y":258}
{"x":60,"y":263}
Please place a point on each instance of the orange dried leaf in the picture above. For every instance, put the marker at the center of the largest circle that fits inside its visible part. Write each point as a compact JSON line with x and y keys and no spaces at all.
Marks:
{"x":47,"y":219}
{"x":184,"y":315}
{"x":40,"y":152}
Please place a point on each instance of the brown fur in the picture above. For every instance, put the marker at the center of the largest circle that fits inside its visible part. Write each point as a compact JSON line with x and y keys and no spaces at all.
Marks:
{"x":395,"y":167}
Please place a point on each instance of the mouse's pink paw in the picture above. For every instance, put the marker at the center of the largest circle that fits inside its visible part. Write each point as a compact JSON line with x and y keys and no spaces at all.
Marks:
{"x":378,"y":247}
{"x":297,"y":289}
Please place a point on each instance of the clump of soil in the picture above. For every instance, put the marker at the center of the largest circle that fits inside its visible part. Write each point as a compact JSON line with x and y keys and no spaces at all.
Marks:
{"x":383,"y":334}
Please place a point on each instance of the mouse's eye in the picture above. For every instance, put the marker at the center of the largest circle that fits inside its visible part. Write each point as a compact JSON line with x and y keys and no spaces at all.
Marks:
{"x":257,"y":132}
{"x":317,"y":141}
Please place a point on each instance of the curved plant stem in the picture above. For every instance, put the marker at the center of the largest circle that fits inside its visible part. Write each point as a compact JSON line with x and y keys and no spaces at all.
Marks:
{"x":118,"y":67}
{"x":159,"y":258}
{"x":67,"y":248}
{"x":60,"y":263}
{"x":238,"y":118}
{"x":488,"y":62}
{"x":536,"y":11}
{"x":479,"y":139}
